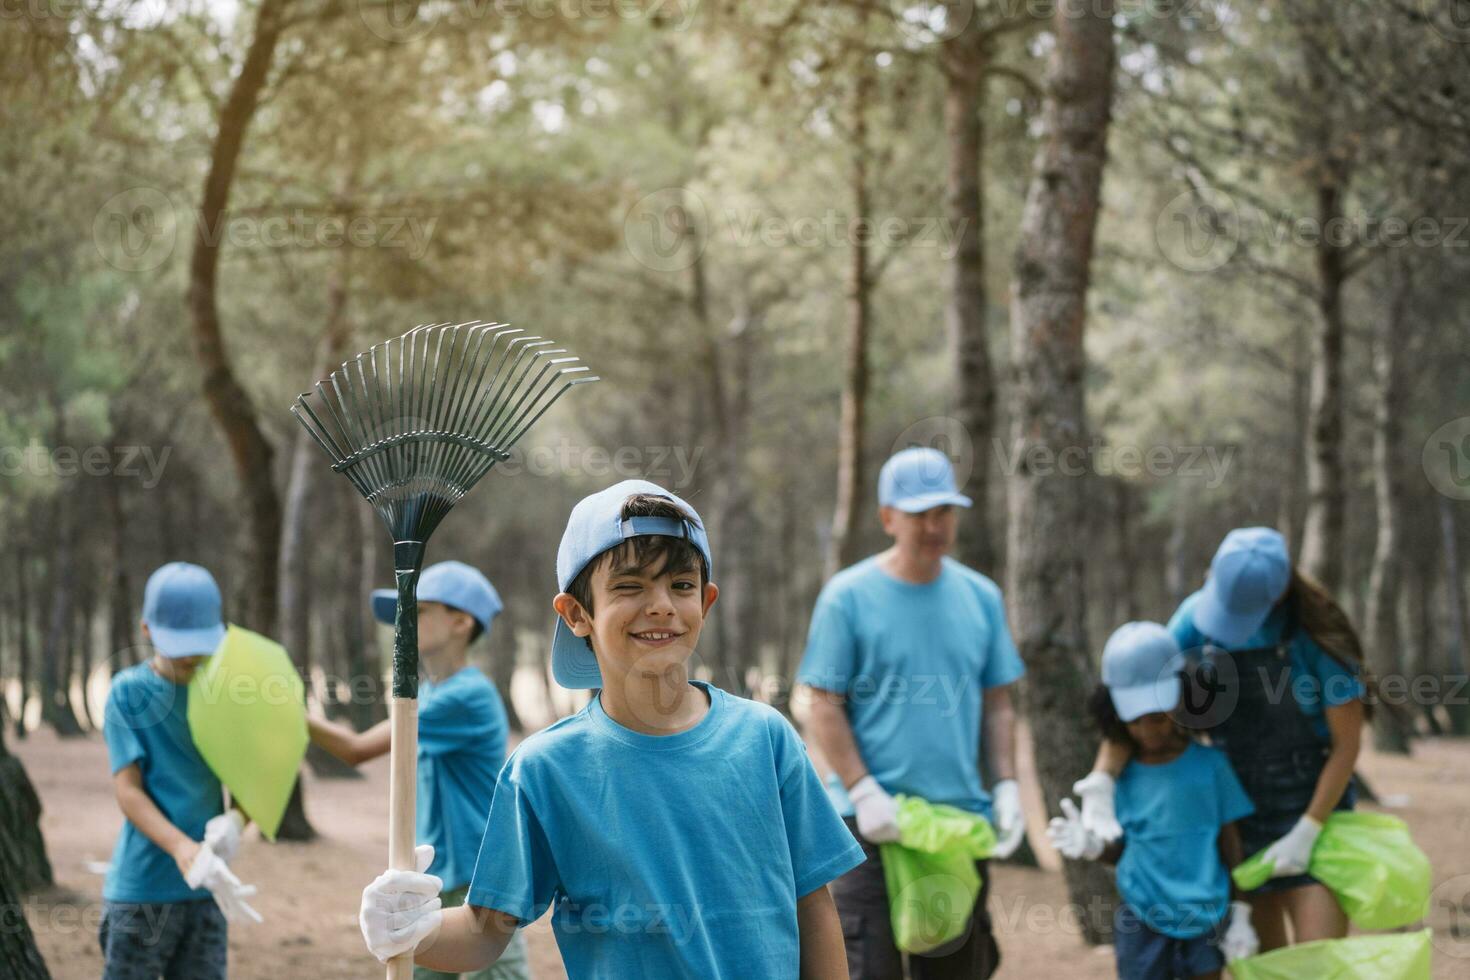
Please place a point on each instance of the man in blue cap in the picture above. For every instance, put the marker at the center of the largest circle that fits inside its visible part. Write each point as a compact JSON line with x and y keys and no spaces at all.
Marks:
{"x":462,"y":735}
{"x":909,"y":662}
{"x":679,"y":831}
{"x":168,"y":893}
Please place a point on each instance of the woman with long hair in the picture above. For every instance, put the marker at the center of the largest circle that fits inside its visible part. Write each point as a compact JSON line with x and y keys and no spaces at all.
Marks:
{"x":1276,"y":679}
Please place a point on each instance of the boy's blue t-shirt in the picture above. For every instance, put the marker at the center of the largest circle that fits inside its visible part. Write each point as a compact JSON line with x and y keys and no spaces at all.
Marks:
{"x":664,"y":856}
{"x":146,"y":722}
{"x":913,"y":662}
{"x":1318,"y":678}
{"x":462,"y":731}
{"x":1170,"y":871}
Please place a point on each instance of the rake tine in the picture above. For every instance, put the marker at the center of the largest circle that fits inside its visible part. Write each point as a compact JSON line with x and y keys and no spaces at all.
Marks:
{"x":513,"y":384}
{"x":524,"y":426}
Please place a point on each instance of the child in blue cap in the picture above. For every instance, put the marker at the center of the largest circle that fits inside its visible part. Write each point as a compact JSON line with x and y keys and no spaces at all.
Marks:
{"x":1281,"y":689}
{"x":462,"y":735}
{"x":168,"y":892}
{"x":1177,"y":801}
{"x":676,"y":830}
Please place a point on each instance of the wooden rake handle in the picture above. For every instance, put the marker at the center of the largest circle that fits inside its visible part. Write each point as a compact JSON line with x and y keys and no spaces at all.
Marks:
{"x":404,"y":713}
{"x":402,"y":757}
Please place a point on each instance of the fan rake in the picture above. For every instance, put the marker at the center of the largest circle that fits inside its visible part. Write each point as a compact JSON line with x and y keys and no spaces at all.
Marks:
{"x":415,"y":423}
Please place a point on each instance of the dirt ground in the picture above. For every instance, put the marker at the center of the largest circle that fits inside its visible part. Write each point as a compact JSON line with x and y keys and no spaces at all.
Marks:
{"x":309,"y":892}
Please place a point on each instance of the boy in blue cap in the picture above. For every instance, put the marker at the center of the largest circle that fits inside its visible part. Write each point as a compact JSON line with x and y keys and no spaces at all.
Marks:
{"x":168,"y":892}
{"x":910,"y":663}
{"x":462,"y":735}
{"x":1177,"y":802}
{"x":677,"y":830}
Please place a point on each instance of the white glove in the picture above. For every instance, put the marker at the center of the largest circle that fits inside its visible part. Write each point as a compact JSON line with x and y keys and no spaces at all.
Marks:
{"x":401,"y":909}
{"x":1070,"y":836}
{"x":1293,"y":853}
{"x":1096,"y":791}
{"x":877,"y":812}
{"x":222,"y":834}
{"x":210,"y":871}
{"x":1240,"y":939}
{"x":1010,"y":822}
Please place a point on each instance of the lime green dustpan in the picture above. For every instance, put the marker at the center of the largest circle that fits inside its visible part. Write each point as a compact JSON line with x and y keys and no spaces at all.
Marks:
{"x":248,"y":719}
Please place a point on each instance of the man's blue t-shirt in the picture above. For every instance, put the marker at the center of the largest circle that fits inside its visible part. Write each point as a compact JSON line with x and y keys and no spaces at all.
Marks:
{"x":146,"y":722}
{"x":462,"y":730}
{"x":664,"y":856}
{"x":1318,"y":678}
{"x":1170,"y":871}
{"x":913,"y":662}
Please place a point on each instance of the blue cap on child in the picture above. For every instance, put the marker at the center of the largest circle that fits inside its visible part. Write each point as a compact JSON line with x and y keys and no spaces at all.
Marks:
{"x":181,"y":607}
{"x":918,"y":479}
{"x":1249,"y":573}
{"x":451,"y":583}
{"x":1140,"y":668}
{"x":595,"y":525}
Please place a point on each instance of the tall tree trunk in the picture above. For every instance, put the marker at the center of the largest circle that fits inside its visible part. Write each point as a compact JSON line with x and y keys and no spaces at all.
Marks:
{"x":852,"y":427}
{"x":364,"y":658}
{"x":56,"y":709}
{"x":23,"y":868}
{"x":20,"y":833}
{"x":86,"y":616}
{"x":1048,"y":316}
{"x":1392,"y":725}
{"x":964,"y":58}
{"x":732,"y":505}
{"x":1289,"y":520}
{"x":119,"y":590}
{"x":227,"y":398}
{"x":1326,"y":519}
{"x":296,"y":597}
{"x":23,"y":624}
{"x":1454,"y":588}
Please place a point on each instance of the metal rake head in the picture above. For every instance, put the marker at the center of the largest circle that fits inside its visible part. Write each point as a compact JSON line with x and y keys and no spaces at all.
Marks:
{"x":416,"y":421}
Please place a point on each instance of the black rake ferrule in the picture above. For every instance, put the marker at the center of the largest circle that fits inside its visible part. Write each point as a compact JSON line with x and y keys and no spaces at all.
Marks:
{"x":408,"y":560}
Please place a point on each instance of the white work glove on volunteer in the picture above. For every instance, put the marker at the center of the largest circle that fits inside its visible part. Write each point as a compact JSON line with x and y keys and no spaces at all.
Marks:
{"x":210,"y":871}
{"x":1292,"y":854}
{"x":222,"y":834}
{"x":877,"y":812}
{"x":1240,"y":939}
{"x":1010,"y":821}
{"x":401,"y":909}
{"x":1096,"y":791}
{"x":1070,"y":836}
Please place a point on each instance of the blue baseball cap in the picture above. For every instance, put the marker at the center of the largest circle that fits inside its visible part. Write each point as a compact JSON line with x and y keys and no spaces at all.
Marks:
{"x":1140,"y":668}
{"x":918,"y":479}
{"x":595,"y":525}
{"x":1249,"y":573}
{"x":181,"y":606}
{"x":452,"y":583}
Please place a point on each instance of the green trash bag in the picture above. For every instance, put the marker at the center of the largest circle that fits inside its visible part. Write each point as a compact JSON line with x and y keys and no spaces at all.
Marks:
{"x":1370,"y":862}
{"x":1399,"y":956}
{"x":930,"y":872}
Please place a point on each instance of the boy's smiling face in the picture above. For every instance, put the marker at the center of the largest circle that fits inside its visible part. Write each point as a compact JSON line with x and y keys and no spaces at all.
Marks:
{"x":644,"y":621}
